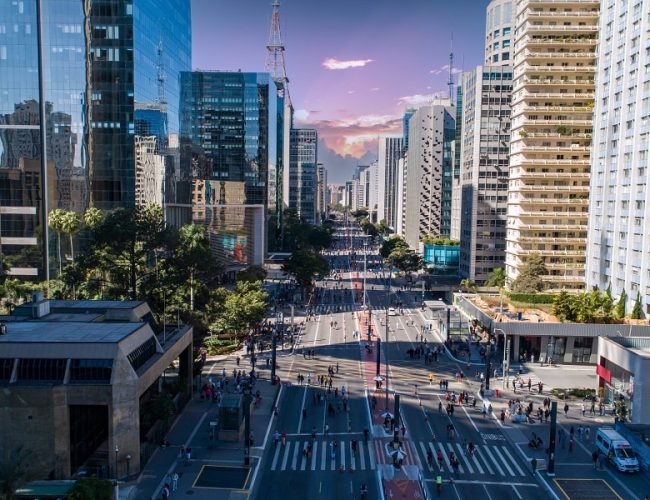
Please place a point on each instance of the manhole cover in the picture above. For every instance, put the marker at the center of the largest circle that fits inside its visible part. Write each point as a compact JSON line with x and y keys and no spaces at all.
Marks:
{"x":222,"y":476}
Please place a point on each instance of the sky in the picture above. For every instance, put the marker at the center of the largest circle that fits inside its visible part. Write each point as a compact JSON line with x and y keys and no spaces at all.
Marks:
{"x":354,"y":66}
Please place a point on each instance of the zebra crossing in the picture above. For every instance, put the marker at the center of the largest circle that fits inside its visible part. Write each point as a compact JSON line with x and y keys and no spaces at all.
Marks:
{"x":324,"y":456}
{"x":332,"y":308}
{"x":495,"y":460}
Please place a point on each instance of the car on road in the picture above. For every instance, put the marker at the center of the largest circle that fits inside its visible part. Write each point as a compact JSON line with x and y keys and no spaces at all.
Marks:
{"x":392,"y":311}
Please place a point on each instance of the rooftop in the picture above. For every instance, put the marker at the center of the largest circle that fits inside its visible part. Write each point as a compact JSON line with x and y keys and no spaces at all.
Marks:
{"x":78,"y":331}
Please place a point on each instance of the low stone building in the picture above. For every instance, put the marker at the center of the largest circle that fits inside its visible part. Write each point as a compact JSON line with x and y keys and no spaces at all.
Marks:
{"x":73,"y":377}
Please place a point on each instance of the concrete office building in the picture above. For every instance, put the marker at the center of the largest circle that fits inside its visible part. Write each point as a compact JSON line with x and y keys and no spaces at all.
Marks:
{"x":322,"y":193}
{"x":484,"y":166}
{"x":100,"y":65}
{"x":499,"y":31}
{"x":552,"y":104}
{"x":427,"y":207}
{"x":303,"y":158}
{"x":75,"y":376}
{"x":390,"y":151}
{"x":618,"y":250}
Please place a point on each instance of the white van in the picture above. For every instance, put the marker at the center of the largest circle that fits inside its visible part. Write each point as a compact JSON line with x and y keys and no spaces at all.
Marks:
{"x":617,"y":449}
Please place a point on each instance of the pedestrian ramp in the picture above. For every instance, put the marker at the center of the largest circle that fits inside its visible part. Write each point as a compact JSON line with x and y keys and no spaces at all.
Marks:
{"x":494,"y":460}
{"x":324,"y":456}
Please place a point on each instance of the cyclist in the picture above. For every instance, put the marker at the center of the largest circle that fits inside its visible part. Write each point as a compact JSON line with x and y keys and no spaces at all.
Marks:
{"x":471,"y":449}
{"x":440,"y":459}
{"x":365,"y":434}
{"x":439,"y":484}
{"x":284,"y":438}
{"x":430,"y":458}
{"x":276,"y":437}
{"x":364,"y":491}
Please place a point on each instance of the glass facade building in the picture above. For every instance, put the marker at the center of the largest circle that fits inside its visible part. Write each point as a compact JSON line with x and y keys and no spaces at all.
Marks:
{"x":100,"y":60}
{"x":303,"y":158}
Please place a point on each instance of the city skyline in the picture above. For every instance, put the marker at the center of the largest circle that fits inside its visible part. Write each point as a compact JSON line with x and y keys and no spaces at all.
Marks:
{"x":345,"y":81}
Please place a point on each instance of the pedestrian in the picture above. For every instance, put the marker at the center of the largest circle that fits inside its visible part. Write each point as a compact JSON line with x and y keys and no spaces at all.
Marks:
{"x":587,"y":433}
{"x":533,"y":465}
{"x":594,"y":457}
{"x":175,"y":481}
{"x":165,"y":492}
{"x":583,"y":409}
{"x":592,"y":410}
{"x":566,"y":409}
{"x":570,"y":445}
{"x":168,"y":479}
{"x":529,"y":384}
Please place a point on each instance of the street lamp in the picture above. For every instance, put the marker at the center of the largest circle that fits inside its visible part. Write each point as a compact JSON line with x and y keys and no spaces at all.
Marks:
{"x":506,"y":358}
{"x":128,"y":465}
{"x":116,"y":450}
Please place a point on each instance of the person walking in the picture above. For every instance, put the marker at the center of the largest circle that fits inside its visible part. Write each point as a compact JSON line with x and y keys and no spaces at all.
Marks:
{"x":594,"y":457}
{"x":533,"y":465}
{"x":566,"y":409}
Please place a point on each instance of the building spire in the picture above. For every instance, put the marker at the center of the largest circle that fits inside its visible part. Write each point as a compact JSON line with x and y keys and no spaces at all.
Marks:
{"x":451,"y":69}
{"x":275,"y":64}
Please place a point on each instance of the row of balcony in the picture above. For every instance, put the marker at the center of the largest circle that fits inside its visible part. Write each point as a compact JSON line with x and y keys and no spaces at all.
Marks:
{"x":526,"y":201}
{"x":550,"y":175}
{"x":517,"y":148}
{"x":567,"y":122}
{"x":550,"y":253}
{"x":529,"y":54}
{"x":538,"y":68}
{"x":531,"y":188}
{"x":552,"y":227}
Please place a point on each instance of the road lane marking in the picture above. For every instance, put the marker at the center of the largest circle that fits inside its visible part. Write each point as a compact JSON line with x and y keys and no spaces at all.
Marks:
{"x":343,"y":454}
{"x":461,"y":453}
{"x":323,"y":456}
{"x":470,"y":418}
{"x":505,"y":462}
{"x":494,"y":461}
{"x":371,"y":457}
{"x":444,"y":455}
{"x":294,"y":460}
{"x":451,"y":450}
{"x":517,"y":493}
{"x":362,"y":458}
{"x":276,"y":455}
{"x":287,"y":449}
{"x":314,"y":455}
{"x":477,"y":463}
{"x":507,"y":453}
{"x":304,"y":397}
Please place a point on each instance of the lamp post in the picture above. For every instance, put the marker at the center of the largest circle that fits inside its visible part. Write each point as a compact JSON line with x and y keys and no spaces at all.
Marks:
{"x":128,"y":465}
{"x":390,"y":279}
{"x":116,"y":450}
{"x":506,"y":358}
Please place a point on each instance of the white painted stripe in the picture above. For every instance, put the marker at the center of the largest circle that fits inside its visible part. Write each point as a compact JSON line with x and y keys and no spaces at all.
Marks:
{"x":477,"y":464}
{"x":276,"y":455}
{"x":424,"y":454}
{"x":460,"y":466}
{"x":371,"y":457}
{"x":314,"y":455}
{"x":505,"y":462}
{"x":343,"y":453}
{"x":493,"y":460}
{"x":464,"y":458}
{"x":444,"y":455}
{"x":287,"y":449}
{"x":435,"y":456}
{"x":294,"y":460}
{"x":514,"y":462}
{"x":323,"y":456}
{"x":353,"y":460}
{"x":362,"y":458}
{"x":303,"y":462}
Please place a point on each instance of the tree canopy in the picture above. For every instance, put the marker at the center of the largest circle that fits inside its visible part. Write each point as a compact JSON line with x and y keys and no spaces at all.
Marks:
{"x":391,"y":244}
{"x":304,"y":266}
{"x":529,"y":279}
{"x":497,"y":277}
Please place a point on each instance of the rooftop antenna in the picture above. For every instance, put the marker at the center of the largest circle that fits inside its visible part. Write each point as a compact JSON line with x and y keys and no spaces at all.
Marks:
{"x":275,"y":64}
{"x":451,"y":68}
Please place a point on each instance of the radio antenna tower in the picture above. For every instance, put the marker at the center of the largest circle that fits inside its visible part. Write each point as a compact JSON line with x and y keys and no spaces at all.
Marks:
{"x":275,"y":52}
{"x":451,"y":69}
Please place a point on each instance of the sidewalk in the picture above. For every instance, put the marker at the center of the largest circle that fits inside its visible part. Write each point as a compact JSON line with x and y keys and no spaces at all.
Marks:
{"x":192,"y":429}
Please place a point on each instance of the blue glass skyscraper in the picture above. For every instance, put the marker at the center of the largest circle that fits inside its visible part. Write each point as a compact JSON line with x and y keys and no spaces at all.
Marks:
{"x":99,"y":59}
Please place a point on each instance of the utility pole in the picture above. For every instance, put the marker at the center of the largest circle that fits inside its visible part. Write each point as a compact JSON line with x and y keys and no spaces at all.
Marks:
{"x":550,"y":469}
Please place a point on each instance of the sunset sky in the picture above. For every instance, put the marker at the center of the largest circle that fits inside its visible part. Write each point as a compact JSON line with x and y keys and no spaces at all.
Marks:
{"x":353,"y":65}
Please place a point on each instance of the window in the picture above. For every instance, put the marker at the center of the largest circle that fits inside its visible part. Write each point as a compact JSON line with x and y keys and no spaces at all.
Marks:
{"x":140,"y":355}
{"x":6,"y":366}
{"x":91,"y":370}
{"x":41,"y":369}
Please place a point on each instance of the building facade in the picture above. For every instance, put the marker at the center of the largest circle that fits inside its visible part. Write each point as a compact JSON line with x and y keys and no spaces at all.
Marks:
{"x":303,"y":161}
{"x":499,"y":31}
{"x":390,"y":151}
{"x":618,"y":250}
{"x":99,"y":61}
{"x":322,"y":193}
{"x":552,"y":104}
{"x":484,"y":164}
{"x":428,"y":194}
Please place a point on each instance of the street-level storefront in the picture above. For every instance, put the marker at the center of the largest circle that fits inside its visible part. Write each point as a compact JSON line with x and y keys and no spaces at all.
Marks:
{"x":623,"y":369}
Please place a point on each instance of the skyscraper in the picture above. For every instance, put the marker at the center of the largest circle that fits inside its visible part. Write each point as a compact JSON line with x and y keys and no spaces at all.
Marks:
{"x":618,"y":249}
{"x":390,"y":151}
{"x":428,"y":175}
{"x":322,"y":193}
{"x":552,"y":106}
{"x":99,"y":60}
{"x":499,"y":30}
{"x":303,"y":158}
{"x":484,"y":157}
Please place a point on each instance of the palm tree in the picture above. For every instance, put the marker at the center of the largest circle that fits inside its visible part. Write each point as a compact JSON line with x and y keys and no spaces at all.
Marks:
{"x":70,"y":224}
{"x":92,"y":217}
{"x":193,"y":239}
{"x":55,"y":221}
{"x":14,"y":470}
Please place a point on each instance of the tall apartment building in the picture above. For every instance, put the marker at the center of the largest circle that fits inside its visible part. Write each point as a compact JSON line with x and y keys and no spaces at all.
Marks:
{"x":303,"y":158}
{"x":499,"y":30}
{"x":322,"y":193}
{"x":427,"y":207}
{"x":390,"y":151}
{"x":484,"y":166}
{"x":618,"y":250}
{"x":74,"y":146}
{"x":552,"y":106}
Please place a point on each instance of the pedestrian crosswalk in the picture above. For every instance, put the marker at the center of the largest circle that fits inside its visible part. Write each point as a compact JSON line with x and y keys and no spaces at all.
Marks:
{"x":333,"y":308}
{"x":325,"y":455}
{"x":494,"y":460}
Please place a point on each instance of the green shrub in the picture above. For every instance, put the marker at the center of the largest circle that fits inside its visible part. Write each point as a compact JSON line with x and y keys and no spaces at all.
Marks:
{"x":216,"y":345}
{"x":532,"y":298}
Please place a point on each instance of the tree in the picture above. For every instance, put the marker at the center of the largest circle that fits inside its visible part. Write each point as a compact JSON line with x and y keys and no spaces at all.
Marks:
{"x":406,"y":260}
{"x":468,"y":285}
{"x":243,"y":308}
{"x":497,"y":277}
{"x":91,"y":488}
{"x":392,"y":244}
{"x":529,"y":279}
{"x":637,"y":312}
{"x":607,"y":305}
{"x":70,"y":224}
{"x":252,"y":273}
{"x":620,"y":305}
{"x":55,"y":221}
{"x":192,"y":255}
{"x":14,"y":470}
{"x":304,"y":266}
{"x":562,"y":306}
{"x":93,"y":217}
{"x":382,"y":228}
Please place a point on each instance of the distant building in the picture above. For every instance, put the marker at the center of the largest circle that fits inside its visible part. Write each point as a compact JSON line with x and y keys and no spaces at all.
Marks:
{"x":322,"y":193}
{"x":303,"y":180}
{"x":75,"y":377}
{"x":390,"y":151}
{"x":499,"y":32}
{"x":428,"y":193}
